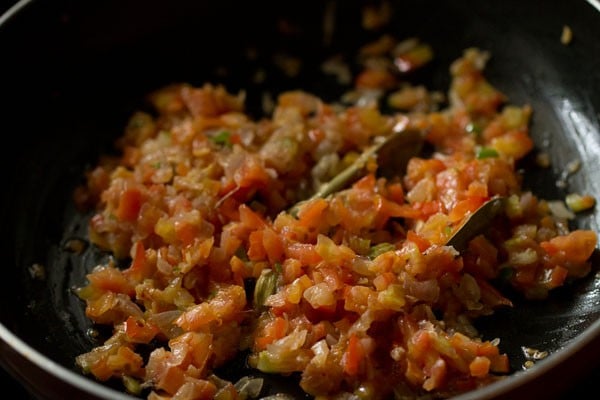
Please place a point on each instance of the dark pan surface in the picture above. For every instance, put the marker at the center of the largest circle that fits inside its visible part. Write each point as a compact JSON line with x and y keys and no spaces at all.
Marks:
{"x":73,"y":73}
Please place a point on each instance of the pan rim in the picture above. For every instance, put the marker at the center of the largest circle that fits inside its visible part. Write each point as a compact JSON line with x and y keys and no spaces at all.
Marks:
{"x":12,"y":11}
{"x":51,"y":367}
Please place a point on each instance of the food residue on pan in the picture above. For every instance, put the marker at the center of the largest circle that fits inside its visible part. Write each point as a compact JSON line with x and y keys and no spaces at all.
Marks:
{"x":37,"y":271}
{"x":566,"y":35}
{"x":580,"y":202}
{"x":358,"y":293}
{"x":571,"y":168}
{"x":542,"y":159}
{"x":532,"y":355}
{"x":75,"y":245}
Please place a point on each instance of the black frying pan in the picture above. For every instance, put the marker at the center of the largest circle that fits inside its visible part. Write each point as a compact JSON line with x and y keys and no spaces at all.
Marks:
{"x":72,"y":72}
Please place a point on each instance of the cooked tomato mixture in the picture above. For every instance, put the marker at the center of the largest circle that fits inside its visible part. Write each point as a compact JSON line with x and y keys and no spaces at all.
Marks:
{"x":358,"y":293}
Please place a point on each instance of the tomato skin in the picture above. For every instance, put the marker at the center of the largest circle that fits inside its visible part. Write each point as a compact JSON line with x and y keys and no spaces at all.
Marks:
{"x":129,"y":205}
{"x":353,"y":356}
{"x":139,"y":331}
{"x":123,"y":362}
{"x":422,"y":244}
{"x":111,"y":279}
{"x":480,"y":366}
{"x":577,"y":246}
{"x":465,"y":207}
{"x":139,"y":268}
{"x":226,"y":305}
{"x":275,"y":329}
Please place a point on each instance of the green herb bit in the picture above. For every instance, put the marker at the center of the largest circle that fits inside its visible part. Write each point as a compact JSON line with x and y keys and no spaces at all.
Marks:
{"x":222,"y":138}
{"x":447,"y":230}
{"x":485,"y":152}
{"x":379,"y":249}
